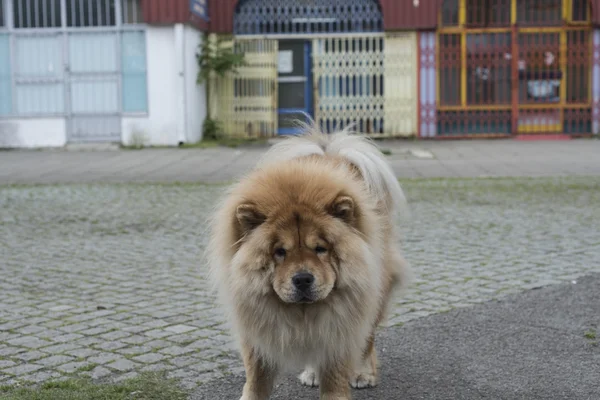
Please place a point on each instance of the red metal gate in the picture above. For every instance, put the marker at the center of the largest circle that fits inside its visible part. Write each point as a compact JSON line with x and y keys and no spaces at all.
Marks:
{"x":508,"y":67}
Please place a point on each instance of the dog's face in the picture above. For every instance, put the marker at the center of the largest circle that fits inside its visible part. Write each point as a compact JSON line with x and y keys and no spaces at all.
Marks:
{"x":297,"y":248}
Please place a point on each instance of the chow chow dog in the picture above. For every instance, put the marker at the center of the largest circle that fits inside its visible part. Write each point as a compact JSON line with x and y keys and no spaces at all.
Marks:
{"x":305,"y":259}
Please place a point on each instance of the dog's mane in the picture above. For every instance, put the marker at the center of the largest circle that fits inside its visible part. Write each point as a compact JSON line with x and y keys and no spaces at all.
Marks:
{"x":360,"y":151}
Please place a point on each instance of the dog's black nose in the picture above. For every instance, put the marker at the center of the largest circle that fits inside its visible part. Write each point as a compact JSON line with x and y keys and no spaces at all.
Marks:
{"x":303,"y":281}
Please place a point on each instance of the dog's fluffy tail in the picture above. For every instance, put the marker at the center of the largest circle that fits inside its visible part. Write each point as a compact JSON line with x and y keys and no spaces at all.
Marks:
{"x":359,"y":150}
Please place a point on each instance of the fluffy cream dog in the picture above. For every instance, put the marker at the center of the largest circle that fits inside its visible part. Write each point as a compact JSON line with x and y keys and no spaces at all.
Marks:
{"x":304,"y":255}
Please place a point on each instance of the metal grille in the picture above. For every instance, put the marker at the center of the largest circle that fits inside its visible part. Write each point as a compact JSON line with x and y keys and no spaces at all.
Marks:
{"x":488,"y":68}
{"x":2,"y":19}
{"x":539,"y":12}
{"x":488,"y":13}
{"x":541,"y":83}
{"x":473,"y":122}
{"x":449,"y":13}
{"x":580,"y":10}
{"x":86,"y":13}
{"x":450,"y":71}
{"x":36,"y":13}
{"x":500,"y":73}
{"x":578,"y":66}
{"x":131,"y":11}
{"x":349,"y":74}
{"x":246,"y":102}
{"x":307,"y":17}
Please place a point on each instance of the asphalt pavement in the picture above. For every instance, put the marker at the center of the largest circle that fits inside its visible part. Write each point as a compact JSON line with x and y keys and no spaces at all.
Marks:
{"x":536,"y":345}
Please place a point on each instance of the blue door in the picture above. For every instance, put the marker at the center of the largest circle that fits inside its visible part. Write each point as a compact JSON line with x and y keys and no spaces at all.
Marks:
{"x":294,"y":85}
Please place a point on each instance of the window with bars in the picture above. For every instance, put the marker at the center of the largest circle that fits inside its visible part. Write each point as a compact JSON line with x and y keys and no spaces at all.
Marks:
{"x":539,"y":12}
{"x":293,"y":17}
{"x":449,"y":13}
{"x":29,"y":14}
{"x":580,"y":10}
{"x":488,"y":13}
{"x":2,"y":19}
{"x":36,"y":14}
{"x":86,"y":13}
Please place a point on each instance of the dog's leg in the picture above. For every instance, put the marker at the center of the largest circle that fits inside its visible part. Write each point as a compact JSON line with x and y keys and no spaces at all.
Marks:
{"x":309,"y":377}
{"x":334,"y":381}
{"x":365,"y":376}
{"x":259,"y":376}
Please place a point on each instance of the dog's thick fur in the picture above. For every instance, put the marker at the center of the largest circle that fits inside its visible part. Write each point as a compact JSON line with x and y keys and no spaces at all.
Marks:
{"x":322,"y":205}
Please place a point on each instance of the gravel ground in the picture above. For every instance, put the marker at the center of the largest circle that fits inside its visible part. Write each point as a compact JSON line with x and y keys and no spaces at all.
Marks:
{"x":104,"y":280}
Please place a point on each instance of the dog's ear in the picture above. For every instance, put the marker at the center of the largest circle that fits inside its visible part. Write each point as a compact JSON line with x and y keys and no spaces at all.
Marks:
{"x":343,"y":208}
{"x":249,"y":217}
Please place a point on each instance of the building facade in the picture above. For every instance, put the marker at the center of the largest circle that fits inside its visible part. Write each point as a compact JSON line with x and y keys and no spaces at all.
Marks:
{"x":431,"y":69}
{"x":79,"y":71}
{"x":125,"y":70}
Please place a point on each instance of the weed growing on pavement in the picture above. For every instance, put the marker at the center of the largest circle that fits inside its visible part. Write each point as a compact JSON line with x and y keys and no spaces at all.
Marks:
{"x":145,"y":387}
{"x":590,"y":334}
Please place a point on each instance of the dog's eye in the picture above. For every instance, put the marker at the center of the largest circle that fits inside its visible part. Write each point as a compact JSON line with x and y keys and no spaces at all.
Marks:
{"x":280,"y":252}
{"x":320,"y":250}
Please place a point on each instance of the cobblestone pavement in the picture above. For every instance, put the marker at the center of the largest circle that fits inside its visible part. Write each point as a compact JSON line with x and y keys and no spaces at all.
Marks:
{"x":103,"y":280}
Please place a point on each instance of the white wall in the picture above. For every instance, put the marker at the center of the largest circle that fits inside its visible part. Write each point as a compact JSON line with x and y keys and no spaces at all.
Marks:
{"x":33,"y":132}
{"x":159,"y":127}
{"x":195,"y":94}
{"x":176,"y":105}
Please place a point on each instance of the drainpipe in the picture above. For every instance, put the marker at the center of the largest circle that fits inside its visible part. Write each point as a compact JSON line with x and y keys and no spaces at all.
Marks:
{"x":180,"y":88}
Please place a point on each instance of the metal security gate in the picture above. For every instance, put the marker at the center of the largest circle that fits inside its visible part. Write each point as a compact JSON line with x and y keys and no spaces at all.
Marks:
{"x":345,"y":40}
{"x":349,"y":80}
{"x":246,"y":102}
{"x":509,"y":67}
{"x":93,"y":87}
{"x":70,"y":59}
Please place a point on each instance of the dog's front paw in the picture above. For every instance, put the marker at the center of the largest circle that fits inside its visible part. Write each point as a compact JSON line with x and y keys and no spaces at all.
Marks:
{"x":309,"y":377}
{"x":362,"y":380}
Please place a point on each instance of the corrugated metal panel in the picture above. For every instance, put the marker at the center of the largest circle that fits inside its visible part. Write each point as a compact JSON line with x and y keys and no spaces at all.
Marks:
{"x":221,"y":15}
{"x":397,"y":14}
{"x":166,"y":12}
{"x":410,"y":14}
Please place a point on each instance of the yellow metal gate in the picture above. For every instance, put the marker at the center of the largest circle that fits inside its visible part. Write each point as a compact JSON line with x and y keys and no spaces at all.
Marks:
{"x":246,"y":103}
{"x":400,"y":91}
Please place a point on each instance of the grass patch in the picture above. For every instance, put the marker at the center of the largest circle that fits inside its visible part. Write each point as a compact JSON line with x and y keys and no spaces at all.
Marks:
{"x":590,"y":334}
{"x":145,"y":387}
{"x":87,"y":368}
